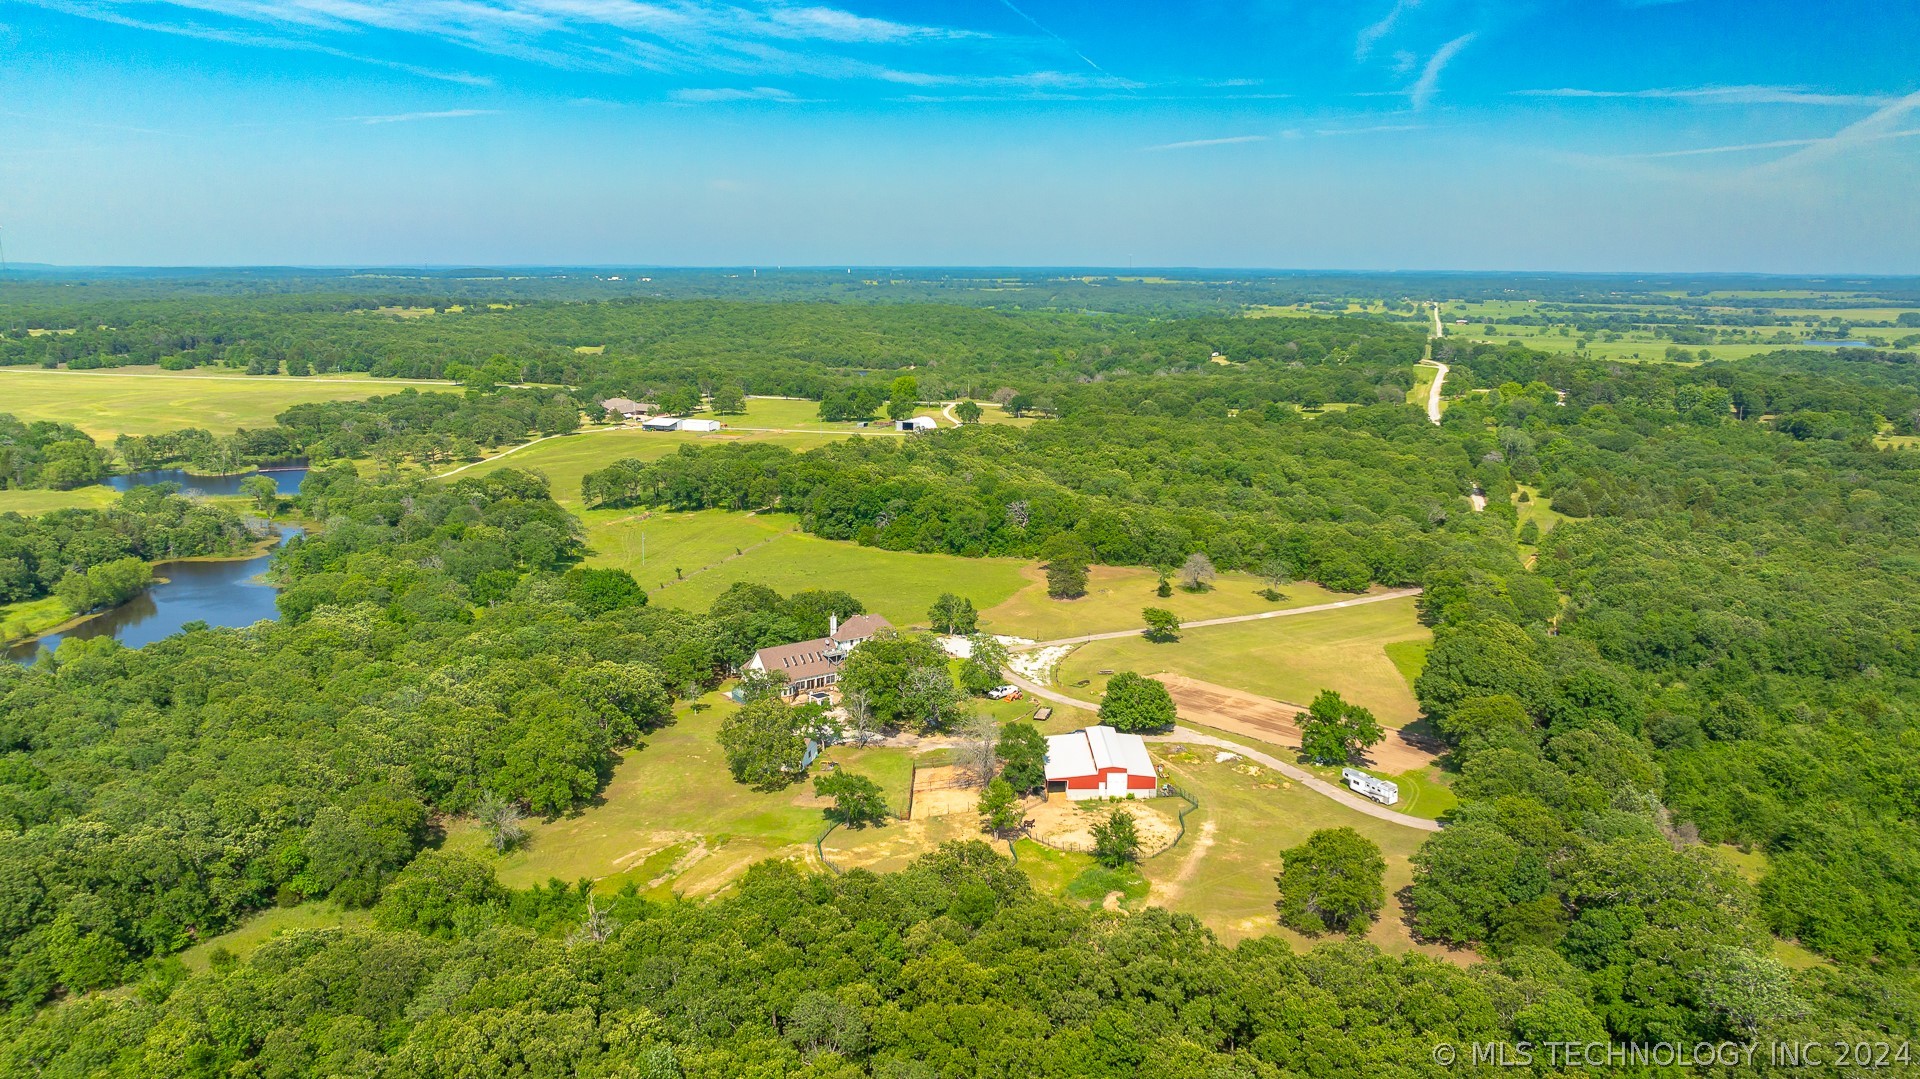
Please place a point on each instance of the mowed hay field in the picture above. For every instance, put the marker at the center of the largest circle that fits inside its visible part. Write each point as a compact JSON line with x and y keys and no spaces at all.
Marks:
{"x":566,"y":458}
{"x":1117,"y":594}
{"x":673,"y":820}
{"x":1286,"y":659}
{"x":900,"y":585}
{"x":31,"y":502}
{"x":145,"y":401}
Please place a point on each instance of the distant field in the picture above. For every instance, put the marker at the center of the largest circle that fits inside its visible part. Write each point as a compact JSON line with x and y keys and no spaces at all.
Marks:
{"x":564,"y":460}
{"x":1117,"y":594}
{"x":30,"y":502}
{"x":1286,"y":659}
{"x":145,"y":401}
{"x":898,"y":584}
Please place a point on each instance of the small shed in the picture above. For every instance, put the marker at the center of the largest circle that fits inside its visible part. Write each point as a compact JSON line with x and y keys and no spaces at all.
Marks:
{"x":917,"y":423}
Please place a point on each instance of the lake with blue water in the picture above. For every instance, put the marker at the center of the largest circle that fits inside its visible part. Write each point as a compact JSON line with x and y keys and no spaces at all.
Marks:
{"x":286,"y":479}
{"x":220,"y":593}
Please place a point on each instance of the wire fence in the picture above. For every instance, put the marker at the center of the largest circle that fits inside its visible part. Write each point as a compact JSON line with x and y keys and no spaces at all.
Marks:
{"x":1167,"y":790}
{"x":820,"y":849}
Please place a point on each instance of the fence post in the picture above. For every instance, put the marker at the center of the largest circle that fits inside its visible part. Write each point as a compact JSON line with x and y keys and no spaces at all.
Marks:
{"x":821,"y":850}
{"x":1192,"y":804}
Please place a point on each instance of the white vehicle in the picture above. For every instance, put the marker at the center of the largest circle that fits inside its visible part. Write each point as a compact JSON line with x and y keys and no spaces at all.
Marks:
{"x":1004,"y":693}
{"x":1384,"y":791}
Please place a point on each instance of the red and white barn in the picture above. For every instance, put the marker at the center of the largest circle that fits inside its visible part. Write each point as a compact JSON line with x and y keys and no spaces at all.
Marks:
{"x":1099,"y":762}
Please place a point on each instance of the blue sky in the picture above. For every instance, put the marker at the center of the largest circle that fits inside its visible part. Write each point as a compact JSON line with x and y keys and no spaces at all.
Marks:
{"x":1758,"y":135}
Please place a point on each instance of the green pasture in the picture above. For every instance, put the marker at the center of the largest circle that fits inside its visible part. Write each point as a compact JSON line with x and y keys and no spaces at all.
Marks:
{"x":1247,"y":816}
{"x":900,"y":585}
{"x":1409,"y":658}
{"x":566,"y":458}
{"x":145,"y":401}
{"x":1286,"y":659}
{"x":1117,"y":594}
{"x":33,"y":502}
{"x":673,"y":819}
{"x":267,"y":924}
{"x":31,"y":617}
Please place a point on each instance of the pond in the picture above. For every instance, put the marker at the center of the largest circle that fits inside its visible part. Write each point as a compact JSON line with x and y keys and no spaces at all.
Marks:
{"x":286,"y":478}
{"x":222,"y":593}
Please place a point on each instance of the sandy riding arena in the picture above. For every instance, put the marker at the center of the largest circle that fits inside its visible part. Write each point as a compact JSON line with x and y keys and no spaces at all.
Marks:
{"x":940,"y":791}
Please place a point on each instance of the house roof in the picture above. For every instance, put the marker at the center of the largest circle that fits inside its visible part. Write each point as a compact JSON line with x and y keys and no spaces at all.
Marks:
{"x":860,"y":627}
{"x":806,"y":659}
{"x":1092,"y":750}
{"x":810,"y":659}
{"x":625,"y":404}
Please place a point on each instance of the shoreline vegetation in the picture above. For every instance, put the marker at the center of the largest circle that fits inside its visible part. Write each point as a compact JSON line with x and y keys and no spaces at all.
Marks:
{"x":13,"y":616}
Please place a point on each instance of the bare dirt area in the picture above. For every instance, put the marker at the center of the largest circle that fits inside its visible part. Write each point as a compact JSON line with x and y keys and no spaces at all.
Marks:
{"x":942,"y":791}
{"x":1167,"y":892}
{"x":1062,"y":823}
{"x":1276,"y":722}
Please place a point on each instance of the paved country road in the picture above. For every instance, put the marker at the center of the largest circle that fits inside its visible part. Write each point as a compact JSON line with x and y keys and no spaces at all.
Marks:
{"x":1398,"y":593}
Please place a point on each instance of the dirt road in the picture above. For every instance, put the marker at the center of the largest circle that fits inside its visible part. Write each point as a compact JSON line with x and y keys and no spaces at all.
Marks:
{"x":1306,"y":779}
{"x":1275,"y":722}
{"x":1299,"y":775}
{"x":1381,"y":597}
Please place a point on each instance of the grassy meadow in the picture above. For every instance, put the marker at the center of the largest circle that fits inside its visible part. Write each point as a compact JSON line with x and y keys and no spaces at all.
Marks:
{"x":1222,"y":871}
{"x":1117,"y":594}
{"x":673,"y":820}
{"x":901,"y":585}
{"x":33,"y":502}
{"x":1286,"y":659}
{"x":147,"y":400}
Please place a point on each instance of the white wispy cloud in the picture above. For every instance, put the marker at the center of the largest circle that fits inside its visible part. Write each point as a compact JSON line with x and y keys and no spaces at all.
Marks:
{"x":1429,"y":82}
{"x":1884,"y":123}
{"x":1371,"y":34}
{"x":1721,"y":95}
{"x":680,"y":37}
{"x":410,"y":117}
{"x":1374,"y":129}
{"x":697,"y":96}
{"x":1195,"y":144}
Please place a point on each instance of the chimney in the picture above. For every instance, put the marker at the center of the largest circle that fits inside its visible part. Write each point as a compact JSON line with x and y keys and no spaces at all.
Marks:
{"x":833,"y":625}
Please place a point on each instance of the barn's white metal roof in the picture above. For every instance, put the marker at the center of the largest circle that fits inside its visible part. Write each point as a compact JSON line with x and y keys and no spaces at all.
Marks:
{"x":1092,"y":750}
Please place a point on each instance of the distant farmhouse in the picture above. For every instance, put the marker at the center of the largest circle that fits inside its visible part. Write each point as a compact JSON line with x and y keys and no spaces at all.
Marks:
{"x":679,"y":423}
{"x":1099,"y":762}
{"x":815,"y":665}
{"x":916,"y":424}
{"x":628,"y":409}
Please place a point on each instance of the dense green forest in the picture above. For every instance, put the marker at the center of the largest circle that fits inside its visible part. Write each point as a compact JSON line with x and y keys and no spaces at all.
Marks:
{"x":1715,"y":643}
{"x":46,"y":454}
{"x":151,"y":524}
{"x":1371,"y":494}
{"x":643,"y":347}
